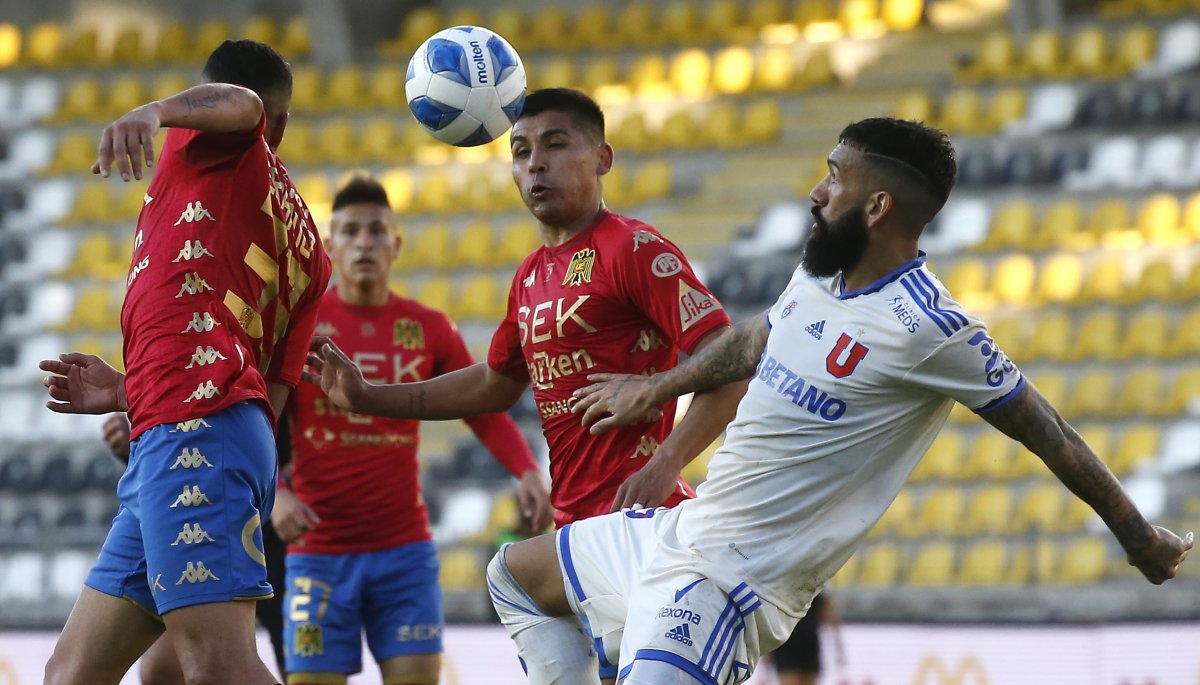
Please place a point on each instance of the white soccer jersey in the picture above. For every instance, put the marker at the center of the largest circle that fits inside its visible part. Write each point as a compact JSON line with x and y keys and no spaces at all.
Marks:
{"x":851,"y":390}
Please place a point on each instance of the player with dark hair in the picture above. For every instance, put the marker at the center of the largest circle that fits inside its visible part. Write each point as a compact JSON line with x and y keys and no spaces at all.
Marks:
{"x":361,"y":554}
{"x":798,"y":660}
{"x":845,"y":396}
{"x":226,"y":276}
{"x":604,"y":293}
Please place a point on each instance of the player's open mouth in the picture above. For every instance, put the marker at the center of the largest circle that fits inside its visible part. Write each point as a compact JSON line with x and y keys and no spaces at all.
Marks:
{"x":538,"y":190}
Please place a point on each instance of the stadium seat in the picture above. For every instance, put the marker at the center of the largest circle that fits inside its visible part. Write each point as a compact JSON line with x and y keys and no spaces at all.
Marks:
{"x":44,"y":45}
{"x":847,"y":575}
{"x":1134,"y":49}
{"x":308,"y":91}
{"x":996,"y":58}
{"x":939,"y":512}
{"x":81,"y":100}
{"x":988,"y":511}
{"x":346,"y":89}
{"x":1091,"y":395}
{"x":474,"y":247}
{"x":1042,"y":56}
{"x":689,"y":73}
{"x":1012,"y":279}
{"x":775,"y":69}
{"x":295,"y":43}
{"x":914,"y":106}
{"x":985,"y":564}
{"x":902,"y":15}
{"x":1012,"y":226}
{"x":1097,"y":337}
{"x":932,"y":565}
{"x":435,"y":192}
{"x":81,"y":48}
{"x":898,"y":518}
{"x":1159,"y":221}
{"x":1006,"y":107}
{"x":1178,"y":49}
{"x":261,"y":28}
{"x":461,"y":570}
{"x":881,"y":564}
{"x":967,"y":279}
{"x":943,"y":460}
{"x":1114,"y":163}
{"x":431,"y":248}
{"x":1137,"y":445}
{"x":400,"y":188}
{"x":1010,"y":333}
{"x":732,"y":70}
{"x":636,"y":26}
{"x":1098,"y":436}
{"x":517,"y":241}
{"x":1040,"y":509}
{"x":1062,"y":226}
{"x":1105,"y":281}
{"x":378,"y":141}
{"x":990,"y":457}
{"x":336,"y":142}
{"x":1146,"y":335}
{"x":763,"y":13}
{"x":480,"y":299}
{"x":128,"y":48}
{"x":385,"y":87}
{"x":1088,"y":53}
{"x":125,"y":93}
{"x":550,"y":29}
{"x":1059,"y":279}
{"x":1083,"y":562}
{"x":1184,"y":396}
{"x":1156,"y":283}
{"x":210,"y":34}
{"x":961,"y":112}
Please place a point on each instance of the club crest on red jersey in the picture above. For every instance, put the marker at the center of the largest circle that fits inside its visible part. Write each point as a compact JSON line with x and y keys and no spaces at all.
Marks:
{"x":579,"y":271}
{"x":409,"y":334}
{"x":841,"y":363}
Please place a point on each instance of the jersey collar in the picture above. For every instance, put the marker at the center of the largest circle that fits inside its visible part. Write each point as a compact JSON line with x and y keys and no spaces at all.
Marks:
{"x":879,"y":285}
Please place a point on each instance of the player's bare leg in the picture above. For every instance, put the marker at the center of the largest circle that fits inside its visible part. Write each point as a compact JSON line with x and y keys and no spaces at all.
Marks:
{"x":527,"y":590}
{"x":411,"y":669}
{"x":102,"y":638}
{"x":160,"y":664}
{"x":215,"y":643}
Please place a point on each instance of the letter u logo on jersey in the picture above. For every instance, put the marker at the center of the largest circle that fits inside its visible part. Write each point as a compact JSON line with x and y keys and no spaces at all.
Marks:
{"x":841,"y":363}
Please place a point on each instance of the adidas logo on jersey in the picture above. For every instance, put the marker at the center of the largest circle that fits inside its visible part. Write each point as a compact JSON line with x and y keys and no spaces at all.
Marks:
{"x":816,"y":329}
{"x":681,"y":634}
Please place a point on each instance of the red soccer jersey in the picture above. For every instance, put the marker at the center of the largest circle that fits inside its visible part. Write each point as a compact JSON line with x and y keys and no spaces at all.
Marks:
{"x":616,"y":298}
{"x":226,"y":274}
{"x":360,"y":473}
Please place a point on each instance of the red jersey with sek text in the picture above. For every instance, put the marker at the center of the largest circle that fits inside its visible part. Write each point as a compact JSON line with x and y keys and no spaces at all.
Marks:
{"x":226,"y":274}
{"x":360,"y":473}
{"x":616,"y":298}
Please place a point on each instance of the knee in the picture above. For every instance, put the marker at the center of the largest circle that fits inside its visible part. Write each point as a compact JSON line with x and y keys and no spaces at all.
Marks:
{"x":58,"y":671}
{"x":153,"y":672}
{"x":531,"y":566}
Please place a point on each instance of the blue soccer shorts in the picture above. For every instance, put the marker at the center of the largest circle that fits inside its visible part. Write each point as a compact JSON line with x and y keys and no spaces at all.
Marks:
{"x":331,"y":598}
{"x":193,"y":499}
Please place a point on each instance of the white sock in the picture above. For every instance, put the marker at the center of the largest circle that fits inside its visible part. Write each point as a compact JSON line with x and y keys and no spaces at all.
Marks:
{"x":554,"y":650}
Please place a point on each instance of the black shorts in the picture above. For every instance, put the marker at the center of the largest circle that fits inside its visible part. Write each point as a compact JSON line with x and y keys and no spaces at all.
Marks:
{"x":802,"y":651}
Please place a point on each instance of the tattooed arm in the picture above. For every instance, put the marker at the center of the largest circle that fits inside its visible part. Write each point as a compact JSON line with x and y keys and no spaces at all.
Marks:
{"x":470,"y":391}
{"x":1031,"y":420}
{"x":630,"y":399}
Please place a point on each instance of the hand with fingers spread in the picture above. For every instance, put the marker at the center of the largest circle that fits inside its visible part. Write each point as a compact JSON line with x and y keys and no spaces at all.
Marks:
{"x":116,"y":436}
{"x":338,"y":377}
{"x":127,"y":141}
{"x":291,"y":517}
{"x":1160,"y":558}
{"x":84,"y":384}
{"x":615,"y":399}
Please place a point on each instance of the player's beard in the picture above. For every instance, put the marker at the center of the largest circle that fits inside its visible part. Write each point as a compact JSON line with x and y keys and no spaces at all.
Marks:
{"x":835,"y":246}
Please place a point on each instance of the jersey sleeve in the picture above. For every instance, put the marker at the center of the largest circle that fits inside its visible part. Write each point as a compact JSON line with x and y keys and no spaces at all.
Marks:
{"x":205,"y":149}
{"x":970,"y":367}
{"x":452,"y":349}
{"x":657,"y":278}
{"x":504,"y":354}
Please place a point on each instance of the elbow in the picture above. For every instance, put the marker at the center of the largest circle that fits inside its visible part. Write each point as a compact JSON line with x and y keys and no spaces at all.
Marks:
{"x":248,"y":105}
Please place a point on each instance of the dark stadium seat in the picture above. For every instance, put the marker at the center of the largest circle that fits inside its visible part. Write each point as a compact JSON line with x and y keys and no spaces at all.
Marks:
{"x":101,"y":473}
{"x":17,"y":474}
{"x":1103,"y":106}
{"x":1151,"y":105}
{"x":58,"y":474}
{"x":1187,"y":106}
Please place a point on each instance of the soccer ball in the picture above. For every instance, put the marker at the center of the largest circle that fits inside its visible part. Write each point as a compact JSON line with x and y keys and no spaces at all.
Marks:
{"x":465,"y":85}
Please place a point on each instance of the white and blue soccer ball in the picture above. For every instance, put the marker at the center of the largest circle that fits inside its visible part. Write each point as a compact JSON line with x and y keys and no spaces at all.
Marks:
{"x":465,"y":85}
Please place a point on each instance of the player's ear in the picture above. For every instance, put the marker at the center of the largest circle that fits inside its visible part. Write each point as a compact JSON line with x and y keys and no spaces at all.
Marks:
{"x":879,"y":204}
{"x":605,"y":163}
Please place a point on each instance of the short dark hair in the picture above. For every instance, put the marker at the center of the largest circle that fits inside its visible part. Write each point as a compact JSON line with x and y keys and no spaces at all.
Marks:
{"x":583,"y":109}
{"x":361,"y":189}
{"x":250,"y":64}
{"x":908,"y":149}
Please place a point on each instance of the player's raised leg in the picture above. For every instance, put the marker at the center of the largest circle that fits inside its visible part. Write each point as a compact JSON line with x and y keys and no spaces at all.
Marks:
{"x":103,"y":636}
{"x":216,"y":644}
{"x":160,"y":664}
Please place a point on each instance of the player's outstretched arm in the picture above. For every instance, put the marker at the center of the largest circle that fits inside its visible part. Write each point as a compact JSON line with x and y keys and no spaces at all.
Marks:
{"x":1030,"y":419}
{"x":459,"y":394}
{"x":83,"y":384}
{"x":213,"y":107}
{"x":622,"y":400}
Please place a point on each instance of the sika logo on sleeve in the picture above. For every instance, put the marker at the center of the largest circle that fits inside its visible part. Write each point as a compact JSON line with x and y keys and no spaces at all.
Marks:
{"x":693,"y":305}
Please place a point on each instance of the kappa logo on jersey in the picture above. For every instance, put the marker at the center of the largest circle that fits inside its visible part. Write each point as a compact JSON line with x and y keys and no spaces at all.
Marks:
{"x":841,"y":363}
{"x":137,"y":270}
{"x":666,"y":264}
{"x":204,"y":391}
{"x":191,"y":498}
{"x":643,"y":238}
{"x":307,"y":640}
{"x":787,"y":311}
{"x":801,"y":393}
{"x":204,"y":356}
{"x":693,"y":305}
{"x":997,"y":364}
{"x":325,"y":328}
{"x":195,"y":212}
{"x":905,"y":314}
{"x":409,"y":334}
{"x":579,"y":271}
{"x":681,"y":633}
{"x":815,"y":329}
{"x":196,"y":573}
{"x":192,"y":285}
{"x":202,"y":322}
{"x":192,"y":249}
{"x":648,"y":340}
{"x":528,"y":282}
{"x":190,"y":425}
{"x":192,"y":534}
{"x":190,"y":460}
{"x":647,"y":446}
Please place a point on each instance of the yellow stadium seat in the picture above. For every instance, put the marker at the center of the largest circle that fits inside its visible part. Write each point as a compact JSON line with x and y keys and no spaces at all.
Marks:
{"x":1027,"y":465}
{"x":81,"y":100}
{"x":943,"y":460}
{"x":308,"y":93}
{"x":44,"y":45}
{"x":435,"y":192}
{"x":95,"y":246}
{"x":1190,"y":288}
{"x":914,"y":106}
{"x":933,"y":565}
{"x":847,"y":575}
{"x":631,"y":133}
{"x":647,"y":72}
{"x":419,"y":24}
{"x":897,"y":518}
{"x":93,"y":203}
{"x":93,"y":310}
{"x":1087,"y":54}
{"x":171,"y":84}
{"x":386,"y":86}
{"x":1098,"y":336}
{"x":1137,"y":445}
{"x":75,"y":154}
{"x":438,"y":292}
{"x":600,"y":71}
{"x":82,"y":48}
{"x":762,"y":122}
{"x":678,"y":131}
{"x":10,"y":44}
{"x":378,"y":141}
{"x":337,"y":144}
{"x":990,"y":457}
{"x":967,"y":278}
{"x":718,"y":127}
{"x":1141,"y":392}
{"x":651,"y":181}
{"x":762,"y":13}
{"x":881,"y":565}
{"x":1012,"y":226}
{"x":517,"y":241}
{"x":556,"y":71}
{"x":464,"y":16}
{"x":1053,"y":334}
{"x":1146,"y":335}
{"x":295,"y":43}
{"x":689,"y":72}
{"x":818,"y":70}
{"x":550,"y":28}
{"x":1060,"y":279}
{"x":720,"y":21}
{"x":1186,"y":340}
{"x":1009,"y":332}
{"x":125,"y":93}
{"x":211,"y":33}
{"x":1185,"y":392}
{"x":996,"y":58}
{"x":985,"y":564}
{"x":300,"y":146}
{"x":1135,"y":48}
{"x":315,"y":189}
{"x":346,"y":89}
{"x":988,"y":512}
{"x":939,"y":513}
{"x":1005,"y":106}
{"x":1156,"y":282}
{"x":461,"y":570}
{"x":961,"y":112}
{"x":810,"y":11}
{"x":1012,"y":280}
{"x":1042,"y":56}
{"x":480,"y":299}
{"x":431,"y":248}
{"x":902,"y":15}
{"x":1091,"y":395}
{"x":173,"y":44}
{"x":775,"y":69}
{"x":474,"y":246}
{"x":1105,"y":281}
{"x":1098,"y":436}
{"x":261,"y":28}
{"x":511,"y":22}
{"x":1062,"y":227}
{"x":1083,"y":562}
{"x":1040,"y":510}
{"x":128,"y":48}
{"x":1110,"y":215}
{"x":732,"y":70}
{"x":636,"y":26}
{"x":1160,"y":220}
{"x":678,"y":23}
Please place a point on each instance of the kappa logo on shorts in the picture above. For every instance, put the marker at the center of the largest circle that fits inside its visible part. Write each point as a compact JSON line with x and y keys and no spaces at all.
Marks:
{"x":192,"y":534}
{"x":191,"y":498}
{"x":196,"y":573}
{"x":190,"y":425}
{"x":190,"y":460}
{"x":681,"y":633}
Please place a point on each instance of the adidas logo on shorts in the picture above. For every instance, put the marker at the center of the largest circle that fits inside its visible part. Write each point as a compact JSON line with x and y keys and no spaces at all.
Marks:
{"x":681,"y":633}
